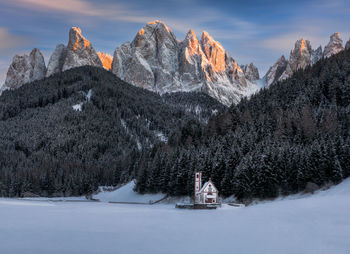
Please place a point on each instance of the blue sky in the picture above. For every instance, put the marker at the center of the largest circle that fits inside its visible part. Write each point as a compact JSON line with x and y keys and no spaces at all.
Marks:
{"x":251,"y":31}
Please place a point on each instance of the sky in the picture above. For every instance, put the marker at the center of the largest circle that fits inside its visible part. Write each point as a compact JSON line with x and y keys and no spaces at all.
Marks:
{"x":251,"y":31}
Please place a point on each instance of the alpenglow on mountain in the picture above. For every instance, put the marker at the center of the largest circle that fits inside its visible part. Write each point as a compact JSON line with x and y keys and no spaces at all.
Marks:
{"x":302,"y":56}
{"x":78,"y":52}
{"x":157,"y":61}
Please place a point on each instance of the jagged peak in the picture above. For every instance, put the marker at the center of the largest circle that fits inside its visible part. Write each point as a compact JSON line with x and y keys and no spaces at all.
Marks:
{"x":281,"y":59}
{"x":334,"y":46}
{"x":335,"y":38}
{"x":36,"y":52}
{"x":159,"y":24}
{"x":77,"y":39}
{"x":152,"y":31}
{"x":336,"y":35}
{"x":251,"y":64}
{"x":208,"y":39}
{"x":76,"y":30}
{"x":141,"y":32}
{"x":106,"y":60}
{"x":191,"y":37}
{"x":191,"y":34}
{"x":302,"y":45}
{"x":154,"y":22}
{"x":60,"y":45}
{"x":206,"y":36}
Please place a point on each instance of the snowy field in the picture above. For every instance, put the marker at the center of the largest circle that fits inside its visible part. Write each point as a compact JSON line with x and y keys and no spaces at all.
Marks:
{"x":126,"y":194}
{"x":312,"y":224}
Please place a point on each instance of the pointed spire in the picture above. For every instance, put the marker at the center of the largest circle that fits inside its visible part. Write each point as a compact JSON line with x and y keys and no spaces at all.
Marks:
{"x":191,"y":34}
{"x":334,"y":46}
{"x":79,"y":51}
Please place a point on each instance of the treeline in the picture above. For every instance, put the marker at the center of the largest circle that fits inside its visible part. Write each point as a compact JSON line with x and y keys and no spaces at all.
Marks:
{"x":294,"y":134}
{"x":49,"y":149}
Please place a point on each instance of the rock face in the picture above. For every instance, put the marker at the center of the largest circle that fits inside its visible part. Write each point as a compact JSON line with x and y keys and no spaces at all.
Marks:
{"x":157,"y":61}
{"x":347,"y":46}
{"x":250,"y":72}
{"x":300,"y":57}
{"x":316,"y":55}
{"x":79,"y":51}
{"x":25,"y":69}
{"x":334,"y":46}
{"x":275,"y":71}
{"x":106,"y":60}
{"x":57,"y":60}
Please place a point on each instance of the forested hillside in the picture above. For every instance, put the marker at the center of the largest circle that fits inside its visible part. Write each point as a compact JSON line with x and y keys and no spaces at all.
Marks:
{"x":74,"y":131}
{"x":292,"y":136}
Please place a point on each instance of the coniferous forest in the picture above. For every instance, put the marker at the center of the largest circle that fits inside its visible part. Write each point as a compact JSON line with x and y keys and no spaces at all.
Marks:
{"x":288,"y":137}
{"x":292,"y":136}
{"x":49,"y":149}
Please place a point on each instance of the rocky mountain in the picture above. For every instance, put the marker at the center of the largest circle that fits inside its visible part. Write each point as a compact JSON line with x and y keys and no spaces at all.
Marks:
{"x":251,"y":72}
{"x":347,"y":46}
{"x":301,"y":56}
{"x":106,"y":60}
{"x":80,"y":51}
{"x":57,"y":60}
{"x":334,"y":46}
{"x":316,"y":54}
{"x":89,"y":124}
{"x":25,"y":69}
{"x":275,"y":71}
{"x":157,"y":61}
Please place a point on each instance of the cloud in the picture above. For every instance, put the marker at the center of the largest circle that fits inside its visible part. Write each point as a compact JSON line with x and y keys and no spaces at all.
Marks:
{"x":85,"y":8}
{"x":73,"y":6}
{"x":198,"y":20}
{"x":10,"y":41}
{"x":317,"y":31}
{"x":285,"y":42}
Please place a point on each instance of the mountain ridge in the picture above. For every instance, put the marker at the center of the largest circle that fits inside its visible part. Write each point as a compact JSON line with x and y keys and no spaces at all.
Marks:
{"x":156,"y":60}
{"x":302,"y":56}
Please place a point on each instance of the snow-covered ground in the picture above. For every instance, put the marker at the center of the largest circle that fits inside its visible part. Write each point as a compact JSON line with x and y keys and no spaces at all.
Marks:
{"x":317,"y":224}
{"x":82,"y":198}
{"x":126,"y":194}
{"x":77,"y":107}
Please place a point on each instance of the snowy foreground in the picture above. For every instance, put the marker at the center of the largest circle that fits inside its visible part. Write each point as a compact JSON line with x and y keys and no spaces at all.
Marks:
{"x":311,"y":224}
{"x":126,"y":194}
